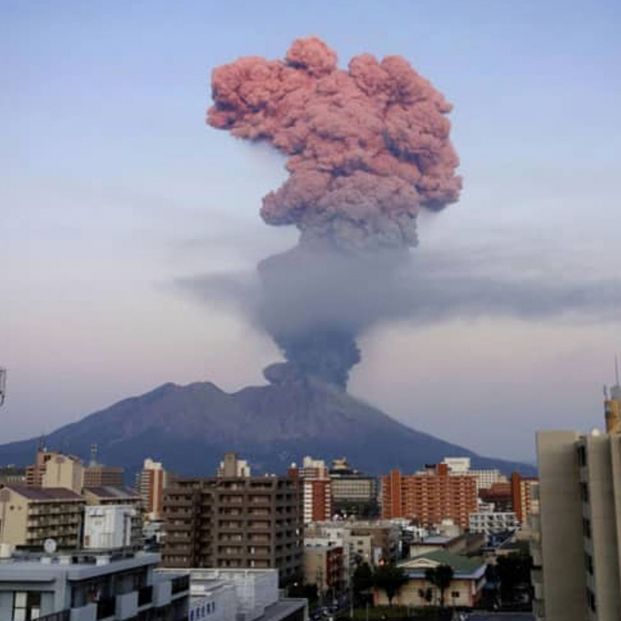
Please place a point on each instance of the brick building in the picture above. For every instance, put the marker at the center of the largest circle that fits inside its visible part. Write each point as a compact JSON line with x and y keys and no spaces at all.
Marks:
{"x":430,"y":496}
{"x":316,"y":489}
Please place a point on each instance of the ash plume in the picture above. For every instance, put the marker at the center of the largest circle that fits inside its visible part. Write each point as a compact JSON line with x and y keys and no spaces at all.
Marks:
{"x":367,"y":148}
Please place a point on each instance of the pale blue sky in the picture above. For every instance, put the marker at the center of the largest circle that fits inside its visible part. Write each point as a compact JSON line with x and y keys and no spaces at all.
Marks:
{"x":113,"y":187}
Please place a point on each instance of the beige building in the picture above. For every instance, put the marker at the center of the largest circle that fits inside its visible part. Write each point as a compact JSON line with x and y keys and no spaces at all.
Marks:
{"x":576,"y":537}
{"x":29,"y":516}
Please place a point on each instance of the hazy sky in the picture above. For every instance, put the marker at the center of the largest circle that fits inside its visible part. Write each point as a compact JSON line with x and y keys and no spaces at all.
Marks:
{"x":114,"y":190}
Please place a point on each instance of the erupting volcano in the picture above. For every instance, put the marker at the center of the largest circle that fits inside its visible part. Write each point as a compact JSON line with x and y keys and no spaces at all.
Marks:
{"x":367,"y":149}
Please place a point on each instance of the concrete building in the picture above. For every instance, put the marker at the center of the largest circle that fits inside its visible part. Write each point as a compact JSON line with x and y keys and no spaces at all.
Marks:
{"x":491,"y":522}
{"x":98,"y":475}
{"x":524,"y":496}
{"x":429,"y":497}
{"x":12,"y":475}
{"x":485,"y":477}
{"x":316,"y":489}
{"x":353,"y":493}
{"x":323,"y":567}
{"x":90,"y":587}
{"x":30,"y":515}
{"x":234,"y":522}
{"x":151,"y":482}
{"x":119,"y":497}
{"x":55,"y":469}
{"x":231,"y":466}
{"x":240,"y":595}
{"x":108,"y":526}
{"x":576,"y":544}
{"x":464,"y":591}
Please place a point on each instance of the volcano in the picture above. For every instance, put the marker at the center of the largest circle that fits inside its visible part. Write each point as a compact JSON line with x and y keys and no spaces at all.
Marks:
{"x":190,"y":427}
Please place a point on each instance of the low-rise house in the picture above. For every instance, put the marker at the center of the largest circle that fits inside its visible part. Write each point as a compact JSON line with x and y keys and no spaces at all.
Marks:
{"x":464,"y":591}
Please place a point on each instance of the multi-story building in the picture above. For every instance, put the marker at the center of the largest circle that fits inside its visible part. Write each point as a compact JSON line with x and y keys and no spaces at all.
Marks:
{"x":498,"y":495}
{"x":429,"y":497}
{"x":151,"y":482}
{"x":353,"y":493}
{"x":576,"y":545}
{"x":87,"y":587}
{"x":119,"y":497}
{"x":55,"y":469}
{"x":98,"y":475}
{"x":323,"y":567}
{"x":485,"y":477}
{"x":316,"y":489}
{"x":492,"y":522}
{"x":524,"y":496}
{"x":30,"y":515}
{"x":234,"y":522}
{"x":232,"y":466}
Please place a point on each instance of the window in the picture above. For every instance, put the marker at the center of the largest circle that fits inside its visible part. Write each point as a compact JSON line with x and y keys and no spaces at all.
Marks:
{"x":26,"y":605}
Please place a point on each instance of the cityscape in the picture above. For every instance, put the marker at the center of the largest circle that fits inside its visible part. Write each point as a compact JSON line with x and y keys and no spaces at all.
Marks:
{"x":307,"y":309}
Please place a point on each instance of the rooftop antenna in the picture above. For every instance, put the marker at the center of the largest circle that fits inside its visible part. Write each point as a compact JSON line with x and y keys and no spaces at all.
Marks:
{"x":616,"y":370}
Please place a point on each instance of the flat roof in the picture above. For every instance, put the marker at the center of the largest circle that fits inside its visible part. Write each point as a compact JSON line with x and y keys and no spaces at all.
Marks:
{"x":44,"y":493}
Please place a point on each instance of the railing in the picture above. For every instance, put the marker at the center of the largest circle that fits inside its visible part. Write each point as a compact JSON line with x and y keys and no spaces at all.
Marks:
{"x":106,"y":608}
{"x":145,"y":596}
{"x":179,"y":584}
{"x":65,"y":615}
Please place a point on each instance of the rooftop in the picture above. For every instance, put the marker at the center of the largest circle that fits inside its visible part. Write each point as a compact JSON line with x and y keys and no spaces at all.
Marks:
{"x":463,"y":566}
{"x":43,"y":493}
{"x":109,"y":491}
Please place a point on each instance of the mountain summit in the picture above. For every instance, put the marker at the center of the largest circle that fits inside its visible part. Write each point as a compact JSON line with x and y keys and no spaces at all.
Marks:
{"x":190,"y":427}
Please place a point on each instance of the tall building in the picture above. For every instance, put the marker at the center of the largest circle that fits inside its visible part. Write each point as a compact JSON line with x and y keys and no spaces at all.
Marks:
{"x":316,"y":488}
{"x":152,"y":480}
{"x":429,"y":497}
{"x":30,"y":515}
{"x":353,"y":493}
{"x":577,"y":535}
{"x":524,"y":496}
{"x":323,"y":567}
{"x":234,"y":522}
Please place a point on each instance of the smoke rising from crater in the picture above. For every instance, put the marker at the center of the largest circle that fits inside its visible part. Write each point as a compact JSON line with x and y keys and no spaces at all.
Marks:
{"x":367,"y":148}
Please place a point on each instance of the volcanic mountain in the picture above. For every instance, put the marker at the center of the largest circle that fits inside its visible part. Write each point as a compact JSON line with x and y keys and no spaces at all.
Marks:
{"x":190,"y":427}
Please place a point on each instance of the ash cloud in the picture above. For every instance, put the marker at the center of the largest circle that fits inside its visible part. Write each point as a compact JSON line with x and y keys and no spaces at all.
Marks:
{"x":367,"y":148}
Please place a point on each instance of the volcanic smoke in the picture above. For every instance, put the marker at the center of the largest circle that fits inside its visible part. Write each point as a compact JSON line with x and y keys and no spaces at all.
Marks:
{"x":367,"y":149}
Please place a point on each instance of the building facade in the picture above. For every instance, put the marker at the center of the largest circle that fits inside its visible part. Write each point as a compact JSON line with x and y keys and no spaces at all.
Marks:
{"x":429,"y":497}
{"x":234,"y":522}
{"x":151,"y":482}
{"x":89,"y":587}
{"x":353,"y":493}
{"x":30,"y":515}
{"x":316,"y":489}
{"x":323,"y":567}
{"x":491,"y":522}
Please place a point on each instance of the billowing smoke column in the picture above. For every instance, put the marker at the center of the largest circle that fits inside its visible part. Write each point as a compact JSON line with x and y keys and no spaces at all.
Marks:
{"x":367,"y":148}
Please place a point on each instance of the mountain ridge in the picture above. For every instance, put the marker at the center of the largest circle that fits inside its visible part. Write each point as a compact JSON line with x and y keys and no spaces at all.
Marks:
{"x":189,"y":427}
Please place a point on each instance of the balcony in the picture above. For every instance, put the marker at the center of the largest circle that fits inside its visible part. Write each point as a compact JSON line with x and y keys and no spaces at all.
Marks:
{"x":180,"y":584}
{"x":65,"y":615}
{"x":106,"y":608}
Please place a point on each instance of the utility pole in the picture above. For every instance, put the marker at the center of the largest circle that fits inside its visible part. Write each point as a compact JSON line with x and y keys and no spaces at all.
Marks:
{"x":2,"y":385}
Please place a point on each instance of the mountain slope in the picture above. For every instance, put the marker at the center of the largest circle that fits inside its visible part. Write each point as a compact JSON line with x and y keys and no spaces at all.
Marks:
{"x":190,"y":427}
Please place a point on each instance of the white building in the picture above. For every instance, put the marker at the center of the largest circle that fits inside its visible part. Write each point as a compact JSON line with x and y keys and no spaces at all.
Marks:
{"x":490,"y":522}
{"x":485,"y":477}
{"x":108,"y":526}
{"x":86,"y":586}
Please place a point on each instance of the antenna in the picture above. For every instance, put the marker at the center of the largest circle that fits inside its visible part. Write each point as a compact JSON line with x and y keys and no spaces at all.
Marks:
{"x":616,"y":370}
{"x":2,"y":385}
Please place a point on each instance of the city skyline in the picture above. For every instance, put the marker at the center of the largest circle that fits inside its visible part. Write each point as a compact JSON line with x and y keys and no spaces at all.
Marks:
{"x":119,"y":196}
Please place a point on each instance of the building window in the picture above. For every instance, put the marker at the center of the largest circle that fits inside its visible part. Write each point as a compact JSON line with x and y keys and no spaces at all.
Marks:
{"x":26,"y":605}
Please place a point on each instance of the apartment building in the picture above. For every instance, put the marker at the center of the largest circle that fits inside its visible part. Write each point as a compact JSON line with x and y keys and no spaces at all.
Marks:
{"x":492,"y":522}
{"x":55,"y":469}
{"x":89,"y":587}
{"x":430,"y":496}
{"x":316,"y":489}
{"x":98,"y":475}
{"x":151,"y":482}
{"x":576,"y":543}
{"x":524,"y":496}
{"x":234,"y":522}
{"x":485,"y":477}
{"x":30,"y":515}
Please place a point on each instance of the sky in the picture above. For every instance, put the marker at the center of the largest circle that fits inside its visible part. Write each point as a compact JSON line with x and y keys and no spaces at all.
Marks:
{"x":115,"y":191}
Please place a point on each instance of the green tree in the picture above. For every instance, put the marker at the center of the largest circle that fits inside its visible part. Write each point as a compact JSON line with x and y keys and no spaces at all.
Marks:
{"x":513,"y":571}
{"x":361,"y":580}
{"x":441,"y":577}
{"x":389,"y":578}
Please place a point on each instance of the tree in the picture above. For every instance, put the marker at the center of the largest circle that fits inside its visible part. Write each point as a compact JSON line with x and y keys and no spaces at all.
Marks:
{"x":389,"y":578}
{"x":513,"y":571}
{"x":361,"y":580}
{"x":440,"y":576}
